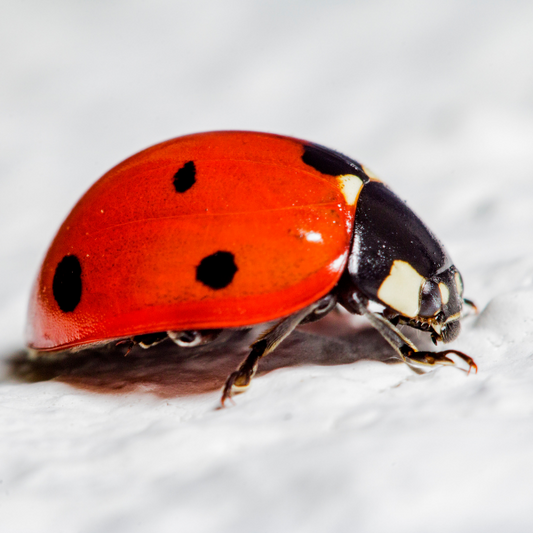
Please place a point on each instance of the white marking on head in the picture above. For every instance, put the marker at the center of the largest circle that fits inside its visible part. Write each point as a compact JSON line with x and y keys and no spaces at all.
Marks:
{"x":444,"y":293}
{"x":459,"y":283}
{"x":313,"y":236}
{"x":401,"y":289}
{"x":350,"y":187}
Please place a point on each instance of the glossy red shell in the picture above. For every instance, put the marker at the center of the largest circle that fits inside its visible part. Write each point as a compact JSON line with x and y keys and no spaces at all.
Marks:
{"x":139,"y":241}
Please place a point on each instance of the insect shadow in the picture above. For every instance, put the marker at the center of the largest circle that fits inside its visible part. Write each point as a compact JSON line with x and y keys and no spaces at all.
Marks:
{"x":169,"y":371}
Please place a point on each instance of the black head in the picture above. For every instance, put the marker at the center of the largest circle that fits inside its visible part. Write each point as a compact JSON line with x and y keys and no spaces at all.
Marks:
{"x":396,"y":261}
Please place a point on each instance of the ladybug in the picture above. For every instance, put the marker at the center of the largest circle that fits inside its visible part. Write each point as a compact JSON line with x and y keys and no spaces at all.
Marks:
{"x":230,"y":229}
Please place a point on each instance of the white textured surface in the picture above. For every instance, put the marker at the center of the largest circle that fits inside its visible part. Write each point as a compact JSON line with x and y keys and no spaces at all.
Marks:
{"x":437,"y":99}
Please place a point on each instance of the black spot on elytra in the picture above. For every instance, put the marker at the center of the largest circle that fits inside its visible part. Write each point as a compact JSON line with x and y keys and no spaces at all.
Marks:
{"x":217,"y":270}
{"x":330,"y":162}
{"x":67,"y":283}
{"x":185,"y":177}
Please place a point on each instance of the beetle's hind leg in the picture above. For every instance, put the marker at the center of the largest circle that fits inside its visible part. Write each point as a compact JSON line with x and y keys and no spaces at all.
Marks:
{"x":240,"y":380}
{"x":150,"y":339}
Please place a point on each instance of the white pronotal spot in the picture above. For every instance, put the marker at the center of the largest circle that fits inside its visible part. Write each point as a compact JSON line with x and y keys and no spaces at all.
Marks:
{"x":444,"y":293}
{"x":369,"y":173}
{"x":350,"y":186}
{"x":401,"y":289}
{"x":459,"y":282}
{"x":313,"y":236}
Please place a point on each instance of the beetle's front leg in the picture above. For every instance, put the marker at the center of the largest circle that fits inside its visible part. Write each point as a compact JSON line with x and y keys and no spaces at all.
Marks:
{"x":439,"y":358}
{"x":407,"y":351}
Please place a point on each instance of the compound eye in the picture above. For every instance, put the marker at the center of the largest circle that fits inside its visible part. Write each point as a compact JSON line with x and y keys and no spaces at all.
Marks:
{"x":430,"y":299}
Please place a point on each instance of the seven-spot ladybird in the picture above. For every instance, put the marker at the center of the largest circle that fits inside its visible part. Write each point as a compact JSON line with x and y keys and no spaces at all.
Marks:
{"x":230,"y":229}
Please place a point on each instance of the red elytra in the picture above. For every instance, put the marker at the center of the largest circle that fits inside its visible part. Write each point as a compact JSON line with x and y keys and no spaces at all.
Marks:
{"x":132,"y":249}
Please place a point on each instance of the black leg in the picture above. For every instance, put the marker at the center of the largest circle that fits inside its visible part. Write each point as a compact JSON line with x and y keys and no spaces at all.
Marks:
{"x":407,"y":351}
{"x":240,"y":380}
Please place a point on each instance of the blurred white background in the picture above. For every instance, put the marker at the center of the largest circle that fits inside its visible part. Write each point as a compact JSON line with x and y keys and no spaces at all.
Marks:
{"x":436,"y":98}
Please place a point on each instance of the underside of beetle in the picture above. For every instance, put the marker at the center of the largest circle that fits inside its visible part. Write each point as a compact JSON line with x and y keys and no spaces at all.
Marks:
{"x":347,"y":296}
